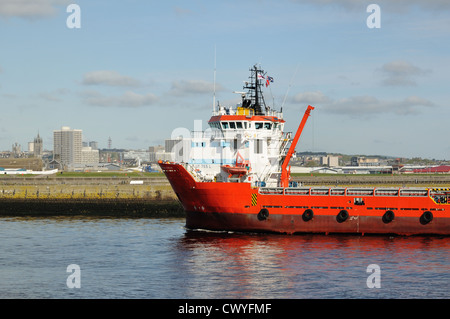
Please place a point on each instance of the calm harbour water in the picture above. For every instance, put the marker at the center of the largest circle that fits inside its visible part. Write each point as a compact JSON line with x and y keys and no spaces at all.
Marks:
{"x":159,"y":258}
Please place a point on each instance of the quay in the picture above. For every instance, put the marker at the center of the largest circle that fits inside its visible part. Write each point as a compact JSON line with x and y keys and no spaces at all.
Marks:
{"x":93,"y":196}
{"x":147,"y":195}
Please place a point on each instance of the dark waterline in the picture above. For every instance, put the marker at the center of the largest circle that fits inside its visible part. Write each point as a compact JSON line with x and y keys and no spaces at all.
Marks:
{"x":159,"y":258}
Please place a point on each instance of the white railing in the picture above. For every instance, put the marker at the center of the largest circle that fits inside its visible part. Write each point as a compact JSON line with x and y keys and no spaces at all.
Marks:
{"x":245,"y":111}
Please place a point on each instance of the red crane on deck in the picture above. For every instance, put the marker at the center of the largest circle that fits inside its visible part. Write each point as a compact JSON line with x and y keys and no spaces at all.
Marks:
{"x":284,"y":179}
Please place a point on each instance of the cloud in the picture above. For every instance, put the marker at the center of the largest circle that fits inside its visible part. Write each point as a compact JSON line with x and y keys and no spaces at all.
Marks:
{"x":10,"y":96}
{"x":110,"y":78}
{"x":181,"y":11}
{"x":310,"y":98}
{"x":132,"y":138}
{"x":360,"y":106}
{"x":30,"y":8}
{"x":401,"y":73}
{"x":184,"y":87}
{"x":128,"y":99}
{"x":386,"y":5}
{"x":49,"y":97}
{"x":54,"y":96}
{"x":363,"y":106}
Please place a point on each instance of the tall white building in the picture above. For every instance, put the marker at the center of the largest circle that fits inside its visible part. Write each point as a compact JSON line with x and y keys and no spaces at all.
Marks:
{"x":69,"y":151}
{"x":67,"y":145}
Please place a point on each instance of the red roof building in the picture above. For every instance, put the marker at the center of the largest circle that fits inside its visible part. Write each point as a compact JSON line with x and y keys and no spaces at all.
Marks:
{"x":435,"y":169}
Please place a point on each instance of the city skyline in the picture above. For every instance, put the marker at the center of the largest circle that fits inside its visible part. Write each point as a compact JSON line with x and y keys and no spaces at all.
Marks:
{"x":167,"y":143}
{"x":136,"y":72}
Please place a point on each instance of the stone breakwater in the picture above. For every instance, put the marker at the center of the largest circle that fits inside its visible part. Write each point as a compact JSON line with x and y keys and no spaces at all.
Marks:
{"x":151,"y":197}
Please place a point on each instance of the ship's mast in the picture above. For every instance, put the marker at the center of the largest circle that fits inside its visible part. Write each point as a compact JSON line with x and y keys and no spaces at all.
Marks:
{"x":214,"y":94}
{"x":254,"y":91}
{"x":257,"y":104}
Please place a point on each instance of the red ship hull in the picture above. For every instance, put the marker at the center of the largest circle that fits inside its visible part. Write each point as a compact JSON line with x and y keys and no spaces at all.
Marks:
{"x":241,"y":207}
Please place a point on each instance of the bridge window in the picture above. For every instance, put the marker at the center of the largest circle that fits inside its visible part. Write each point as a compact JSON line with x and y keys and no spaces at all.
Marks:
{"x":267,"y":126}
{"x":259,"y":125}
{"x":225,"y":125}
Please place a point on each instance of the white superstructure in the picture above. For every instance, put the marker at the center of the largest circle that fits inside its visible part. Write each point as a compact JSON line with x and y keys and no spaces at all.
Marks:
{"x":244,"y":143}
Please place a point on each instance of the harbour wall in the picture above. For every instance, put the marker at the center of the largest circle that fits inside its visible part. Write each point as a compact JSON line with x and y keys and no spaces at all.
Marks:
{"x":147,"y":196}
{"x":119,"y":197}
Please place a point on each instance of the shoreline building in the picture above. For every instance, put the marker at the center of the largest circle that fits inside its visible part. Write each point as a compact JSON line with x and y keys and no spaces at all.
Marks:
{"x":163,"y":153}
{"x":68,"y":149}
{"x":36,"y":147}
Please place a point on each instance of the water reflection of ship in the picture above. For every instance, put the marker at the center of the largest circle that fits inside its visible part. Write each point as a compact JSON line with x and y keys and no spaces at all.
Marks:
{"x":240,"y":265}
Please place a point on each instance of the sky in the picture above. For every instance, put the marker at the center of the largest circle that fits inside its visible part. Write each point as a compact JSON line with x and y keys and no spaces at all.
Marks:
{"x":136,"y":70}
